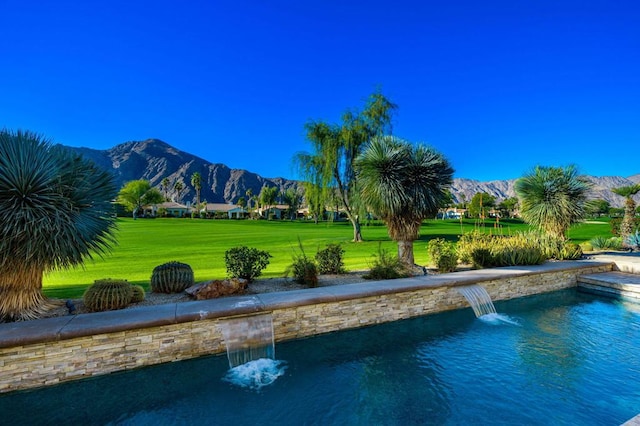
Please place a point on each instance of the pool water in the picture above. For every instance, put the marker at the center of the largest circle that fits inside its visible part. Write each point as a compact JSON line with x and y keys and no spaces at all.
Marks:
{"x":559,"y":358}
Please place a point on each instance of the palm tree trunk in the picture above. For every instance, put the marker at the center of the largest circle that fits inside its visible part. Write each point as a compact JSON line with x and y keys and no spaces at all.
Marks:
{"x":627,"y":225}
{"x":20,"y":301}
{"x":357,"y":233}
{"x":405,"y":252}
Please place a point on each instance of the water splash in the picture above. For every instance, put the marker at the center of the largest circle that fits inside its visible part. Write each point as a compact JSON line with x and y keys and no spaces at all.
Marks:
{"x":248,"y":338}
{"x":256,"y":374}
{"x":497,"y":319}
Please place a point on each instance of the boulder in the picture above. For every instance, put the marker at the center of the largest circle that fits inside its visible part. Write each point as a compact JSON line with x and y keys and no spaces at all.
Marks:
{"x":217,"y":288}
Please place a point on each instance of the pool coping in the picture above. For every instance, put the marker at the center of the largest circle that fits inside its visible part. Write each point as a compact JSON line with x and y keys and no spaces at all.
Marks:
{"x":73,"y":326}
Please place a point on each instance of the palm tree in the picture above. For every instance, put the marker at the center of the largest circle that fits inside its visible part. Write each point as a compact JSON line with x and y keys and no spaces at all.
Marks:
{"x":249,"y":194}
{"x":178,"y":186}
{"x":553,"y":198}
{"x":196,"y":182}
{"x":55,"y":211}
{"x":268,"y":196}
{"x":402,"y":184}
{"x":165,"y":188}
{"x":627,"y":227}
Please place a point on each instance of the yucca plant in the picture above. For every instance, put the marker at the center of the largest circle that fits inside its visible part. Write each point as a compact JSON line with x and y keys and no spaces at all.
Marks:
{"x":402,"y":184}
{"x":553,"y":198}
{"x":55,"y":211}
{"x":628,"y":224}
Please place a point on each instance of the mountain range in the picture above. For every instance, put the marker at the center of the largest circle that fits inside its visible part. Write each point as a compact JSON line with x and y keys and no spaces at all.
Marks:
{"x":155,"y":160}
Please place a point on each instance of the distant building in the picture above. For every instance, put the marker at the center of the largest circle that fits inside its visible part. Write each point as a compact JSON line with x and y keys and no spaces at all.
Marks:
{"x":232,"y":211}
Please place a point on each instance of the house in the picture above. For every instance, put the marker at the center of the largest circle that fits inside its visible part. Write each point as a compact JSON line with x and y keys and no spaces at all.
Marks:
{"x":278,"y":211}
{"x":232,"y":211}
{"x":452,"y":213}
{"x":168,"y":208}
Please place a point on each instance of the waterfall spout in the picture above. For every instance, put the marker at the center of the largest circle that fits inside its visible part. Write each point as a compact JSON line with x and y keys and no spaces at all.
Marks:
{"x":248,"y":338}
{"x":479,"y":300}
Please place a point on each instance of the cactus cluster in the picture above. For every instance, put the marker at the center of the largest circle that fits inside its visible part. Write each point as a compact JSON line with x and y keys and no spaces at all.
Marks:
{"x":171,"y":277}
{"x":108,"y":294}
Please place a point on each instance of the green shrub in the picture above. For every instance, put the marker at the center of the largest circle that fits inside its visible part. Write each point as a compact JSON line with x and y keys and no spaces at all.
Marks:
{"x":386,"y":267}
{"x":108,"y":294}
{"x":474,"y":240}
{"x":171,"y":277}
{"x":303,"y":269}
{"x":245,"y":262}
{"x":330,"y":260}
{"x":443,"y":255}
{"x":586,"y":246}
{"x":485,"y":251}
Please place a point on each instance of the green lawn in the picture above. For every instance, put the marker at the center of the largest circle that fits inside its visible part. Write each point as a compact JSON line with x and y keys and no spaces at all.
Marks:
{"x":146,"y":243}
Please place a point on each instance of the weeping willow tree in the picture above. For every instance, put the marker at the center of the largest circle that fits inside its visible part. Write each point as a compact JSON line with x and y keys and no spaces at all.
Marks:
{"x":330,"y":166}
{"x":403,"y":184}
{"x":553,"y":198}
{"x":55,"y":211}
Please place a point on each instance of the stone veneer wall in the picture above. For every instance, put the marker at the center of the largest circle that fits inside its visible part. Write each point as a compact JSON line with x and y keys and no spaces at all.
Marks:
{"x":45,"y":352}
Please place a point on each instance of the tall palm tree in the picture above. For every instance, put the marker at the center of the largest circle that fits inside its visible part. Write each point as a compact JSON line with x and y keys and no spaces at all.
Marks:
{"x":178,"y":186}
{"x":402,"y":184}
{"x":553,"y":198}
{"x":55,"y":211}
{"x":196,"y":182}
{"x":627,"y":227}
{"x":249,"y":194}
{"x":165,"y":188}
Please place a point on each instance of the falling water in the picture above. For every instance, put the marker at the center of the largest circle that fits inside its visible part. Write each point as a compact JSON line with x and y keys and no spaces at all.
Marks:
{"x":479,"y":300}
{"x":248,"y":338}
{"x":251,"y":351}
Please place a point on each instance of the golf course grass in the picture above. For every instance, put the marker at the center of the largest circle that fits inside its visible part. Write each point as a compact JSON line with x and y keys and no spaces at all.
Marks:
{"x":146,"y":243}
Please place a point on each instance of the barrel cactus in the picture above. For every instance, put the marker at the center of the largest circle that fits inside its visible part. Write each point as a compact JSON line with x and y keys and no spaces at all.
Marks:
{"x":108,"y":294}
{"x":172,"y":277}
{"x":138,"y":294}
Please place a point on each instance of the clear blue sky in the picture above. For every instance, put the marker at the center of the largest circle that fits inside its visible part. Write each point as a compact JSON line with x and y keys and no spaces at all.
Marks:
{"x":497,"y":86}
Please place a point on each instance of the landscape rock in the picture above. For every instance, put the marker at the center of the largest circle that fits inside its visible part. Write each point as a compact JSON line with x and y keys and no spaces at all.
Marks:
{"x":217,"y":288}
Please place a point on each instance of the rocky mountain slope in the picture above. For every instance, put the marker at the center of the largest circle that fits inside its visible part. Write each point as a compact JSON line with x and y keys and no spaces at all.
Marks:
{"x":155,"y":160}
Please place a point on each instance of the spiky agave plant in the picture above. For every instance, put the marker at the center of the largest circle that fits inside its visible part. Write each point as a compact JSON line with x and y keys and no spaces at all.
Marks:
{"x":55,"y":212}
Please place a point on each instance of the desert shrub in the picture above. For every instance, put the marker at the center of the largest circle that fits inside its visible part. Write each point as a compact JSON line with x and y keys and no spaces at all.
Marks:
{"x":386,"y":267}
{"x":474,"y":240}
{"x":108,"y":294}
{"x":137,"y":294}
{"x":171,"y":277}
{"x":586,"y":246}
{"x":570,"y":251}
{"x":303,"y":269}
{"x":330,"y":259}
{"x":485,"y":251}
{"x":246,"y":262}
{"x":443,"y":255}
{"x":604,"y":243}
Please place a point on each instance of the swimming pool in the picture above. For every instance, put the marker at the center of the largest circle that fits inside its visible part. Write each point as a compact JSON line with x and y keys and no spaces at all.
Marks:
{"x":561,"y":358}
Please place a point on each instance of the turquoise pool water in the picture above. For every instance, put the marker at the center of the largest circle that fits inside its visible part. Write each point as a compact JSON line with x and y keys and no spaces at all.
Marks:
{"x":561,"y":358}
